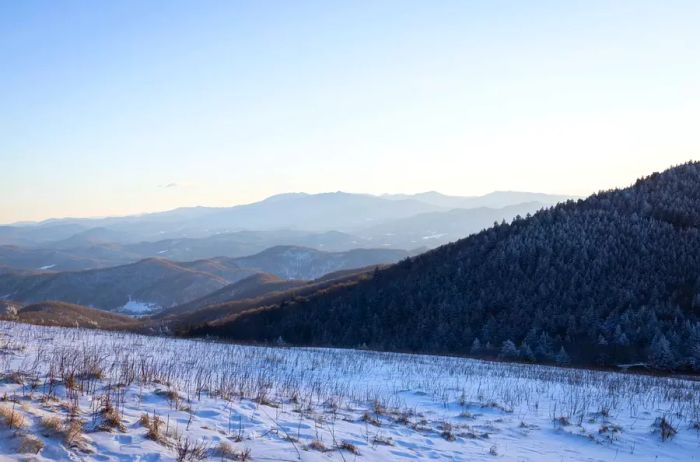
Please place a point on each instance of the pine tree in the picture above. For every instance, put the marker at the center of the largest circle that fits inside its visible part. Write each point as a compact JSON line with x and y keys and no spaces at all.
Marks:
{"x":508,"y":350}
{"x":562,"y":357}
{"x":543,"y":349}
{"x":476,"y":347}
{"x":660,"y":355}
{"x":526,"y":352}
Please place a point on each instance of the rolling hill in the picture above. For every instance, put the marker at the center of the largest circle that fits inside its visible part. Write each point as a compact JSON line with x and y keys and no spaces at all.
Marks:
{"x":53,"y":313}
{"x":292,"y":262}
{"x":255,"y":286}
{"x":182,"y":319}
{"x":153,"y":284}
{"x":133,"y":287}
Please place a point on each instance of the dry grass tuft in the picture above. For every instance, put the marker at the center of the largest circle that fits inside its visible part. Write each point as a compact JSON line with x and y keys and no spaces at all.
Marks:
{"x":382,"y":441}
{"x":30,"y":445}
{"x":111,"y":419}
{"x":145,"y":420}
{"x":73,"y":433}
{"x":51,"y":425}
{"x":348,"y":446}
{"x":370,"y":419}
{"x":12,"y":418}
{"x":70,"y":430}
{"x":317,"y":445}
{"x":154,"y":427}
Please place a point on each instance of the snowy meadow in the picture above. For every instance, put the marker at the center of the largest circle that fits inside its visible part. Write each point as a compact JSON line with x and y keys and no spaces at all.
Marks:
{"x":75,"y":394}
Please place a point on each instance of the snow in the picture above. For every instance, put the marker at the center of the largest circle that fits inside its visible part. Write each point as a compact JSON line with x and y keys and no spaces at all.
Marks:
{"x":47,"y":267}
{"x":285,"y":404}
{"x":162,"y":251}
{"x":434,"y":236}
{"x":135,"y":307}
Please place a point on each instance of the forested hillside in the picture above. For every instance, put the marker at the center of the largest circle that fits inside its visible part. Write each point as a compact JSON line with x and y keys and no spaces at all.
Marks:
{"x":611,"y":279}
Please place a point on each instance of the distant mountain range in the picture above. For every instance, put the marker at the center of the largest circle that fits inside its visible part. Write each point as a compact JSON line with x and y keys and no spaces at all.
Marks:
{"x":330,"y":222}
{"x":337,"y":211}
{"x":156,"y":283}
{"x":494,"y":200}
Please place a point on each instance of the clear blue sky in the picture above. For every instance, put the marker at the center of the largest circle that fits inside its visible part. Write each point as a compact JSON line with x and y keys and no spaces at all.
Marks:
{"x":129,"y":106}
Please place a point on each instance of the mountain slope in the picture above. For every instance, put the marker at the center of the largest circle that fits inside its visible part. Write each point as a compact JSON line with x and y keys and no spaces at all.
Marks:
{"x":257,"y":285}
{"x":181,"y":319}
{"x":291,"y":262}
{"x":435,"y":228}
{"x":53,"y":313}
{"x":610,"y":279}
{"x":23,"y":258}
{"x":155,"y":282}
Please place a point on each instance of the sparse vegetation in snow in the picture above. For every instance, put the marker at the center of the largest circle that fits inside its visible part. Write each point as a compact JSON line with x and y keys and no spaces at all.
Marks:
{"x":76,"y":393}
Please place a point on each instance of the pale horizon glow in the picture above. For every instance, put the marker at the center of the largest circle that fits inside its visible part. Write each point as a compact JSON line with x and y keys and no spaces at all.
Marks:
{"x":119,"y":108}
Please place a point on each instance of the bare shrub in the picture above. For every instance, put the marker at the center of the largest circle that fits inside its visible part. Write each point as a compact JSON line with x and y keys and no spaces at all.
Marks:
{"x":227,"y":451}
{"x":15,"y":377}
{"x":562,"y":421}
{"x":370,"y":419}
{"x":665,"y":428}
{"x":243,"y":454}
{"x":191,"y":451}
{"x":610,"y":432}
{"x":378,"y":407}
{"x":447,"y":432}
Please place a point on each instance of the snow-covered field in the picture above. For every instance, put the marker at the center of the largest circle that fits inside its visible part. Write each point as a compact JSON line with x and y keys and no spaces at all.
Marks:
{"x":71,"y":394}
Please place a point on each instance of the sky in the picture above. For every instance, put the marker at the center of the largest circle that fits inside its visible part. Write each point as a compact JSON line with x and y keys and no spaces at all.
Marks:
{"x":113,"y":108}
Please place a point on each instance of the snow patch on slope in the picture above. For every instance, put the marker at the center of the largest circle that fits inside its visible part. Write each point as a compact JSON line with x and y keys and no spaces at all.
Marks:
{"x":136,"y":308}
